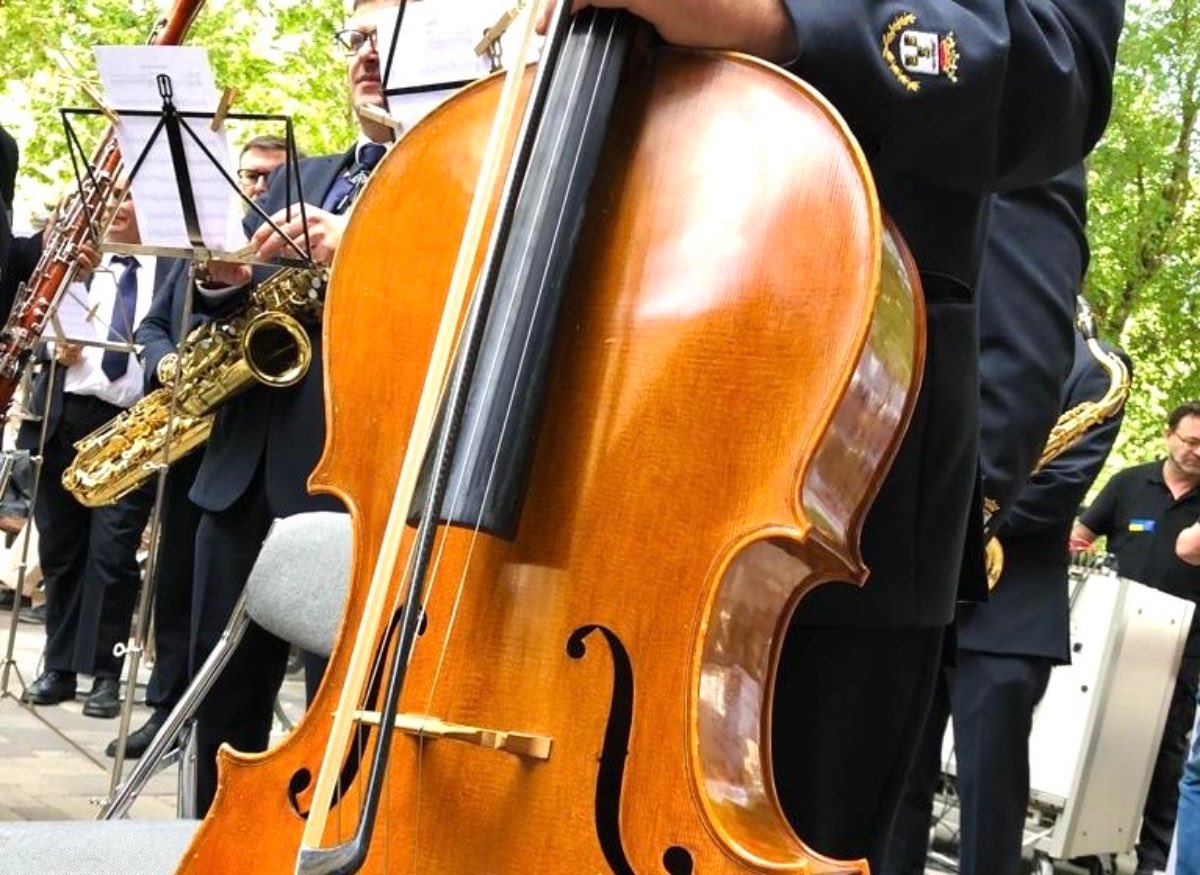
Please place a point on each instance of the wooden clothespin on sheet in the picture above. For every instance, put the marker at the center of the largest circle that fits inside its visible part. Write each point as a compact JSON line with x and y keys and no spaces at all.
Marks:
{"x":379,"y":116}
{"x":226,"y":101}
{"x":489,"y":45}
{"x":72,"y":73}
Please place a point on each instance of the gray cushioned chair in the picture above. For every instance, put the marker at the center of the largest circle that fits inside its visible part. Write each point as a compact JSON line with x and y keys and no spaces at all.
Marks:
{"x":296,"y":591}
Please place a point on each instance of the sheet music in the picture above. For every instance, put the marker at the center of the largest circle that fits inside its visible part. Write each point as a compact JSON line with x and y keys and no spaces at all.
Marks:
{"x":436,"y":46}
{"x":74,"y":319}
{"x":129,"y":74}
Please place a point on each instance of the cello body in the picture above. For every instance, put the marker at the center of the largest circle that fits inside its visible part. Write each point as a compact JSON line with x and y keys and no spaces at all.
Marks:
{"x":738,"y":355}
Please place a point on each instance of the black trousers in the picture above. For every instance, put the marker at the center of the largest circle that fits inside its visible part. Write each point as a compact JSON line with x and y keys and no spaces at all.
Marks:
{"x":991,"y":699}
{"x":239,"y":709}
{"x":1162,"y":800}
{"x":173,"y":586}
{"x":88,"y":555}
{"x":849,"y":707}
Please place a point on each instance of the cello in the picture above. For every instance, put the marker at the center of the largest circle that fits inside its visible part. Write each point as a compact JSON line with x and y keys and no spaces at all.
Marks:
{"x":586,"y":503}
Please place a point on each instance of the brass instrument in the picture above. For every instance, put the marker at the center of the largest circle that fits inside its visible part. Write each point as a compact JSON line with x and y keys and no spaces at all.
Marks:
{"x":120,"y":455}
{"x":262,"y":341}
{"x":1072,"y":424}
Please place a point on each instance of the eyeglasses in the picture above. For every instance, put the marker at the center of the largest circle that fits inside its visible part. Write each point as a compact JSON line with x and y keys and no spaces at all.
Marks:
{"x":351,"y":40}
{"x":1190,"y":443}
{"x":250,"y":176}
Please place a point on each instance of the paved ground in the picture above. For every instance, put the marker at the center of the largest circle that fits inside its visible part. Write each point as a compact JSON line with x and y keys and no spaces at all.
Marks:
{"x":52,"y":762}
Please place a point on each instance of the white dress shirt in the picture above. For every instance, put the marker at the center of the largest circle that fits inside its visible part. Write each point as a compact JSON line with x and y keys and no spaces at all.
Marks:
{"x":86,"y":377}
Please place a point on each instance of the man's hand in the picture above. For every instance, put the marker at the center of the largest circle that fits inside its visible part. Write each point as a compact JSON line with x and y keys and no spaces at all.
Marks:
{"x":67,"y":354}
{"x":324,"y":235}
{"x":757,"y":27}
{"x":87,"y":259}
{"x":226,"y":273}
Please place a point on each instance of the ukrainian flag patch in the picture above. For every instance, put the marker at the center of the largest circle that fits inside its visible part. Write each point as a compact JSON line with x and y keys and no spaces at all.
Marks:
{"x":1141,"y":525}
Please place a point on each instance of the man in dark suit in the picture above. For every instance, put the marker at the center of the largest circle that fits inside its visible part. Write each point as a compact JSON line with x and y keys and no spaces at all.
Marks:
{"x":1007,"y":647}
{"x":267,"y":441}
{"x":89,"y":555}
{"x":1036,"y":255}
{"x":159,"y":335}
{"x":950,"y":102}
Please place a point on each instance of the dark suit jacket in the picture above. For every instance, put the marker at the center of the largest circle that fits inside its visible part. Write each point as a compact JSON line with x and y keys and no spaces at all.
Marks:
{"x":23,"y":257}
{"x":1022,"y":91}
{"x":8,"y":181}
{"x":1028,"y":613}
{"x":160,"y":330}
{"x":285,"y":428}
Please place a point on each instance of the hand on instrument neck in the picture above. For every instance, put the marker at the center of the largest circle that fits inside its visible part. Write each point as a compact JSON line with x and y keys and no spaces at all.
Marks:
{"x":86,"y":261}
{"x":324,"y":234}
{"x":757,"y":27}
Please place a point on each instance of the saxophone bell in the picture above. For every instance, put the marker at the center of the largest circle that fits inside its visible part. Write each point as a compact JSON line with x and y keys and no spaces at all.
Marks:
{"x":276,"y":349}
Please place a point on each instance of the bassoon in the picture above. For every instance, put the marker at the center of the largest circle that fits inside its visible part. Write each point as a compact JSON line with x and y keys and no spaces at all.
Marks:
{"x":72,"y":225}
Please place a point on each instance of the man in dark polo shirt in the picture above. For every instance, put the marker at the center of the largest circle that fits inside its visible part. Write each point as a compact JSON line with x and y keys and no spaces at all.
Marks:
{"x":1143,"y":511}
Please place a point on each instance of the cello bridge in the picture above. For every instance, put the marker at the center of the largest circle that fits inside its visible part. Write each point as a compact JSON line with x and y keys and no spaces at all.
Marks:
{"x":522,"y":744}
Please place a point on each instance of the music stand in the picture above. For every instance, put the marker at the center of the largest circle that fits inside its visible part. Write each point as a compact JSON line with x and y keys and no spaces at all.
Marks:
{"x":175,"y":124}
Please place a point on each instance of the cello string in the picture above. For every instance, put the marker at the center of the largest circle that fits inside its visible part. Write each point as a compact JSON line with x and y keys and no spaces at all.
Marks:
{"x":525,"y":266}
{"x":372,"y":611}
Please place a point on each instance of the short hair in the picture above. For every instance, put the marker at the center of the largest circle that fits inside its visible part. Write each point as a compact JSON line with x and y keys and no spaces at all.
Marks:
{"x":268,"y":143}
{"x":1188,"y":408}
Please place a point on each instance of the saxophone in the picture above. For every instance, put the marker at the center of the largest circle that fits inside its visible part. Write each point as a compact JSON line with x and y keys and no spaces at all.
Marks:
{"x":1071,"y":425}
{"x":262,"y":341}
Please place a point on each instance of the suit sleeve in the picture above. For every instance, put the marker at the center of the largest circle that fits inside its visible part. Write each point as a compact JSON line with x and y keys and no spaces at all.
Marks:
{"x":23,"y":257}
{"x":155,"y":332}
{"x":1022,"y":88}
{"x":1035,"y":256}
{"x":1055,"y":493}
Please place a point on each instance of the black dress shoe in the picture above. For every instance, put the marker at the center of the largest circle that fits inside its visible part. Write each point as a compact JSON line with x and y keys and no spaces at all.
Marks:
{"x":104,"y":700}
{"x":8,"y":596}
{"x":139,"y":740}
{"x":50,"y":688}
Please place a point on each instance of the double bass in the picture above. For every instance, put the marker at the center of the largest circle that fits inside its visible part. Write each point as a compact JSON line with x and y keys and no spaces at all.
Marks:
{"x":587,"y":496}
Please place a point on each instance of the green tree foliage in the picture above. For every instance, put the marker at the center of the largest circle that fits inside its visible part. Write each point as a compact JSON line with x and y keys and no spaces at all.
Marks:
{"x":279,"y":54}
{"x":1143,"y":222}
{"x":1144,"y":218}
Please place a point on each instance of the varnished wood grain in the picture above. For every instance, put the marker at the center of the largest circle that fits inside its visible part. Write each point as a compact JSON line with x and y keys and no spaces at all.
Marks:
{"x":738,"y":354}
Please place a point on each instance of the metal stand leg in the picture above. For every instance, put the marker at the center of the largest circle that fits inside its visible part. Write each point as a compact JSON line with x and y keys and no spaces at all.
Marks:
{"x":163,"y":742}
{"x":150,"y":583}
